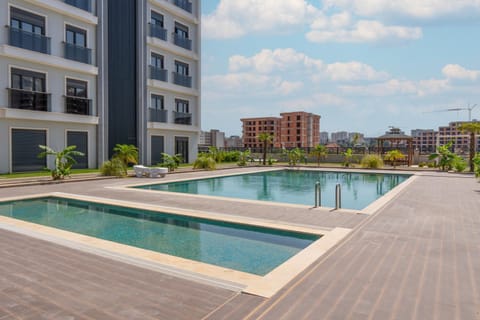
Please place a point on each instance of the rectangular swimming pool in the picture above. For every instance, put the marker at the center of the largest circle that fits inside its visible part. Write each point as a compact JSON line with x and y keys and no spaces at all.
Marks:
{"x":291,"y":186}
{"x":252,"y":249}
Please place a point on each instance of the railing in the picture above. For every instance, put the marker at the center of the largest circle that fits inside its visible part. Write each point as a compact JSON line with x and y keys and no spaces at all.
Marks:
{"x":78,"y":105}
{"x":182,"y":80}
{"x":184,"y":4}
{"x":182,"y":42}
{"x":78,"y":53}
{"x":158,"y":74}
{"x":81,"y":4}
{"x":182,"y":118}
{"x":156,"y":115}
{"x":158,"y":32}
{"x":29,"y":100}
{"x":29,"y":40}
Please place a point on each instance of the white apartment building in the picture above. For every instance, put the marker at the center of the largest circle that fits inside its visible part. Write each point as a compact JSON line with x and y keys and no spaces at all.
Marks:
{"x":94,"y":73}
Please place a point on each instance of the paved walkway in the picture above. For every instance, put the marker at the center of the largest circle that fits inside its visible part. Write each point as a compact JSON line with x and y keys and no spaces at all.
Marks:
{"x":416,"y":258}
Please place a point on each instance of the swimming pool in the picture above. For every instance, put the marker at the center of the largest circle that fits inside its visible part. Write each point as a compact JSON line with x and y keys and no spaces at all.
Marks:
{"x":252,"y":249}
{"x":291,"y":186}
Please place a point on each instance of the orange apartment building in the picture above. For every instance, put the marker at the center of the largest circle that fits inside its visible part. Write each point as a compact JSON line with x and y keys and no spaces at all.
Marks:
{"x":290,"y":130}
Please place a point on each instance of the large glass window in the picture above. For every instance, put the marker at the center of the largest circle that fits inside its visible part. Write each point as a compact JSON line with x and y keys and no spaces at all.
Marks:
{"x":157,"y":102}
{"x":181,"y":106}
{"x":181,"y":68}
{"x":76,"y":36}
{"x":157,"y":61}
{"x":181,"y":30}
{"x":27,"y":21}
{"x":76,"y":88}
{"x":156,"y":19}
{"x":28,"y":80}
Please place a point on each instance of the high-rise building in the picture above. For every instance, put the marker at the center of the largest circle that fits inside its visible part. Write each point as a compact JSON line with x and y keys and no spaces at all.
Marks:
{"x":460,"y":140}
{"x":340,"y":137}
{"x":94,"y":73}
{"x":293,"y":129}
{"x":212,"y":138}
{"x":424,"y":140}
{"x":324,"y":139}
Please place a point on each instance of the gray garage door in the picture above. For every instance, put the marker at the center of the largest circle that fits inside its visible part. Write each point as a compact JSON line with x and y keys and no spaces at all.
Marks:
{"x":25,"y":150}
{"x":157,"y":143}
{"x":79,"y":139}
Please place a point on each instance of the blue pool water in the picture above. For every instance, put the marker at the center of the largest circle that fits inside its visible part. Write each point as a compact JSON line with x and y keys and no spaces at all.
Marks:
{"x":292,"y":186}
{"x":245,"y":248}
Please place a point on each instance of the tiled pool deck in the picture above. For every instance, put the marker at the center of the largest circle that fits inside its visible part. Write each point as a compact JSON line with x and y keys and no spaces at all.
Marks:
{"x":418,"y":257}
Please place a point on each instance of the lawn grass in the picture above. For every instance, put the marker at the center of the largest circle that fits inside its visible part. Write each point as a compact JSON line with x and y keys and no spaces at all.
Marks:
{"x":42,"y":173}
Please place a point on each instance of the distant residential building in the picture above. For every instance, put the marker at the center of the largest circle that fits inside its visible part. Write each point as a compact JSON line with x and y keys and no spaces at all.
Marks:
{"x":324,"y":137}
{"x":461,"y":140}
{"x":292,"y":129}
{"x":340,"y":137}
{"x":233,"y":142}
{"x":212,"y":138}
{"x":424,"y":140}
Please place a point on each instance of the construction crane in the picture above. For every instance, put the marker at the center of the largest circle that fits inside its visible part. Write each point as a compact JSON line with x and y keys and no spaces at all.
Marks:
{"x":469,"y":108}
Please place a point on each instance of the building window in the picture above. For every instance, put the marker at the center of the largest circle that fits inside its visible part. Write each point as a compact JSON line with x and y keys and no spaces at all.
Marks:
{"x":157,"y":29}
{"x":157,"y":109}
{"x":156,"y":19}
{"x":181,"y":30}
{"x":157,"y":70}
{"x":181,"y":68}
{"x":28,"y":90}
{"x":76,"y":36}
{"x":181,"y":74}
{"x":76,"y":99}
{"x":157,"y":61}
{"x":25,"y":150}
{"x":181,"y":36}
{"x":27,"y":31}
{"x":181,"y":147}
{"x":156,"y":102}
{"x":76,"y":45}
{"x":181,"y":106}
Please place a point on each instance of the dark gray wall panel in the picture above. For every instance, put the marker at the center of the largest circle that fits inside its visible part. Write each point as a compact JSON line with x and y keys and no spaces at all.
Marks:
{"x":25,"y":150}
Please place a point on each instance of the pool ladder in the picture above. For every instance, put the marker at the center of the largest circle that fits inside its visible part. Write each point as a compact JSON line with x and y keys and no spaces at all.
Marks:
{"x":318,"y":195}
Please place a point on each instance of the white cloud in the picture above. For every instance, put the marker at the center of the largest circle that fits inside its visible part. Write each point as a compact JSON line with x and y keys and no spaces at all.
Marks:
{"x":419,"y":9}
{"x":352,"y":71}
{"x":395,"y":87}
{"x":455,"y":71}
{"x":343,"y":29}
{"x":234,"y":18}
{"x":316,"y":101}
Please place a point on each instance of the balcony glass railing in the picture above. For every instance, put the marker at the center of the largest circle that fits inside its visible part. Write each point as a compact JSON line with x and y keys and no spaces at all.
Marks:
{"x":182,"y":118}
{"x":158,"y":74}
{"x":182,"y":42}
{"x":156,"y":115}
{"x":184,"y":4}
{"x":78,"y":105}
{"x":81,"y":4}
{"x":158,"y":32}
{"x":29,"y":100}
{"x":182,"y":80}
{"x":29,"y":40}
{"x":78,"y":53}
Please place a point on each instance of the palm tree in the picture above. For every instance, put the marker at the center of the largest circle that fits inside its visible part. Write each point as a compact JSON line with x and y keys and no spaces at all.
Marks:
{"x":266,"y":138}
{"x":127,"y":153}
{"x":320,"y":152}
{"x":394,"y":156}
{"x":472,"y":128}
{"x":64,"y":160}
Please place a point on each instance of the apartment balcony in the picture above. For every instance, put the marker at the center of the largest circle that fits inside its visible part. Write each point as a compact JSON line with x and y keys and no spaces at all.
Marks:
{"x":184,"y":4}
{"x":78,"y":53}
{"x":29,"y":100}
{"x":78,"y":105}
{"x":158,"y":74}
{"x":81,"y":4}
{"x":158,"y":32}
{"x":182,"y":80}
{"x":182,"y":118}
{"x":182,"y":42}
{"x":156,"y":115}
{"x":29,"y":40}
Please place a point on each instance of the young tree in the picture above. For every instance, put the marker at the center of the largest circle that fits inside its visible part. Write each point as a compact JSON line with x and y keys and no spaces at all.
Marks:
{"x":445,"y":157}
{"x":127,"y":153}
{"x":394,"y":156}
{"x":64,"y":160}
{"x":320,"y":152}
{"x":473,"y":128}
{"x":294,"y":156}
{"x":347,"y":157}
{"x":266,"y":138}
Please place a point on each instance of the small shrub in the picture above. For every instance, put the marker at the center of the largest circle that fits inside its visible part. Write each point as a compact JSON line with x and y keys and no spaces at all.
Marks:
{"x":476,"y":164}
{"x":431,"y":165}
{"x":114,"y":167}
{"x":422,"y":164}
{"x":243,"y":157}
{"x":371,"y":161}
{"x":204,"y":161}
{"x":459,"y":164}
{"x":171,"y":162}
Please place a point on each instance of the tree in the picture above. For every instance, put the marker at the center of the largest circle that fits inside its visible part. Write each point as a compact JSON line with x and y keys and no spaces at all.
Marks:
{"x":347,"y":157}
{"x":476,"y":162}
{"x":294,"y":156}
{"x":171,"y":161}
{"x":320,"y":152}
{"x":127,"y":153}
{"x":473,"y":128}
{"x":64,"y":160}
{"x":445,"y":157}
{"x":266,"y":138}
{"x":394,"y":156}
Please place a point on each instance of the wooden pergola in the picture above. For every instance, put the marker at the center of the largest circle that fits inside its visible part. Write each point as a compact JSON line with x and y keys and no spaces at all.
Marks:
{"x":396,"y":138}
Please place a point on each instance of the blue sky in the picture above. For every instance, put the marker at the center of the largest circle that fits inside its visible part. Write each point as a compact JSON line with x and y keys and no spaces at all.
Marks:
{"x":362,"y":65}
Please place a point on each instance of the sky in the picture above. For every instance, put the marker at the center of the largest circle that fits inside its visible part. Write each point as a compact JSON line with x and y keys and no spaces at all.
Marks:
{"x":362,"y":65}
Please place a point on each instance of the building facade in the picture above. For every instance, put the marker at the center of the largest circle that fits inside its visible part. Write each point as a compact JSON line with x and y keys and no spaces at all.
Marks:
{"x":340,"y":137}
{"x":233,"y":142}
{"x":290,"y":130}
{"x":424,"y":140}
{"x":212,"y":138}
{"x":324,"y":137}
{"x":94,"y":73}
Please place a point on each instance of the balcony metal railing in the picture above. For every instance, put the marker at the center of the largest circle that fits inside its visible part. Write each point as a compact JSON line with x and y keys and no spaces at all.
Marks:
{"x":158,"y":32}
{"x":29,"y":100}
{"x":78,"y":53}
{"x":182,"y":118}
{"x":29,"y":40}
{"x":78,"y":105}
{"x":182,"y":80}
{"x":156,"y":115}
{"x":184,"y":4}
{"x":182,"y":42}
{"x":158,"y":74}
{"x":81,"y":4}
